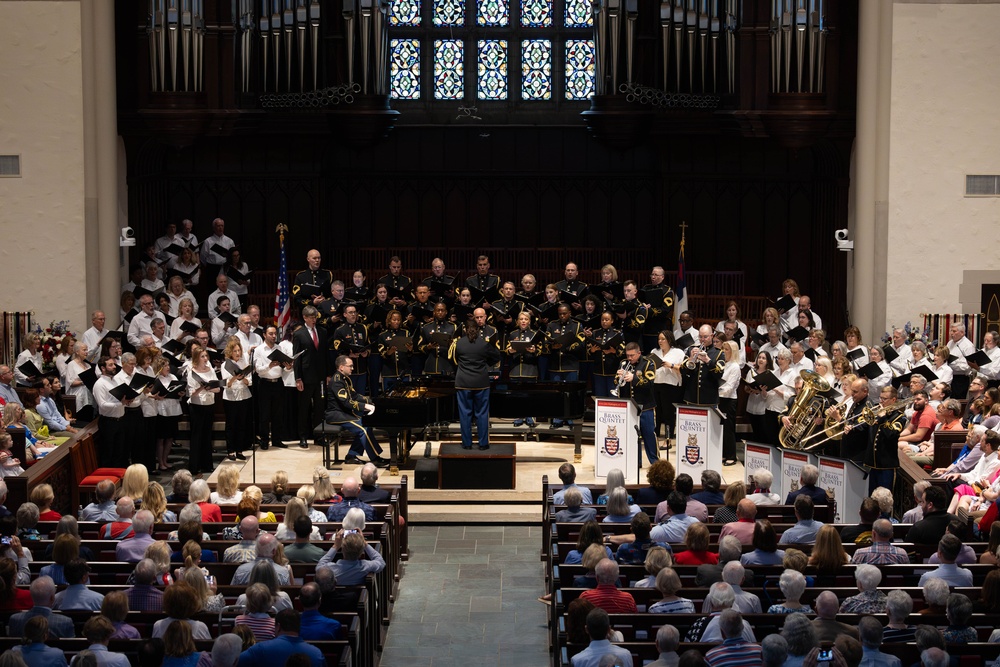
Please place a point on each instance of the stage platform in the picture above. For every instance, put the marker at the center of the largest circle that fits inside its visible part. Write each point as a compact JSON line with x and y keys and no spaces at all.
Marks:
{"x":522,"y":504}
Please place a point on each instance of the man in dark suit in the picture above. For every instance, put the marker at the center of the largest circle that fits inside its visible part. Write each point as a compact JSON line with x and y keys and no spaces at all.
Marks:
{"x":310,"y":372}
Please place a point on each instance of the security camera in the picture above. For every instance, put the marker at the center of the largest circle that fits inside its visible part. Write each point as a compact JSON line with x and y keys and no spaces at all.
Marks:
{"x":842,"y":242}
{"x":127,"y":238}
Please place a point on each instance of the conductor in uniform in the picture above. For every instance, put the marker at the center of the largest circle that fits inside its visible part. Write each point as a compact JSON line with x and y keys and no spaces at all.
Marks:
{"x":702,"y":370}
{"x":639,"y":385}
{"x":474,"y":357}
{"x":344,"y":407}
{"x":312,"y":286}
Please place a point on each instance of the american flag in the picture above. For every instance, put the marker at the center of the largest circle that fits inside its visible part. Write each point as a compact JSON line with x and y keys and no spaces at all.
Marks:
{"x":681,"y":302}
{"x":281,"y":309}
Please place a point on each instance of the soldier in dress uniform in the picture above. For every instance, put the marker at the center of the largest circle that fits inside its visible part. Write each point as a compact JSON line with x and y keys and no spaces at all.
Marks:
{"x":351,"y":339}
{"x":564,"y":361}
{"x":572,"y":284}
{"x":660,"y":315}
{"x":437,"y":361}
{"x":607,"y":355}
{"x":418,"y":313}
{"x":483,"y":281}
{"x":638,"y":378}
{"x":633,"y":319}
{"x":442,"y":285}
{"x":489,"y":333}
{"x":312,"y":286}
{"x":331,"y":311}
{"x":344,"y":406}
{"x":395,"y":358}
{"x":882,"y":456}
{"x":400,"y":287}
{"x":702,"y":371}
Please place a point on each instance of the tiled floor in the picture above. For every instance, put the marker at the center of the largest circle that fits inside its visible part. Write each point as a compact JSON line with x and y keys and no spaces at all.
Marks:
{"x":468,"y":596}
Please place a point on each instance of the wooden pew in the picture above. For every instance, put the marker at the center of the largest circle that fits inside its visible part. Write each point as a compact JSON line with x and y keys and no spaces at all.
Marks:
{"x":56,"y":468}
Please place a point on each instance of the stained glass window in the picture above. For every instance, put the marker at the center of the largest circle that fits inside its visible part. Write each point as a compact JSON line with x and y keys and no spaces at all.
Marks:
{"x":449,"y":70}
{"x":536,"y":13}
{"x":449,"y":12}
{"x":536,"y":69}
{"x":578,"y":14}
{"x":579,"y":69}
{"x":492,"y":69}
{"x":405,"y":12}
{"x":405,"y":71}
{"x":492,"y":12}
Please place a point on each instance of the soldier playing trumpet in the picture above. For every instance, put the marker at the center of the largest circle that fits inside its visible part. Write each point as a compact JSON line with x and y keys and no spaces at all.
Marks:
{"x":637,"y":379}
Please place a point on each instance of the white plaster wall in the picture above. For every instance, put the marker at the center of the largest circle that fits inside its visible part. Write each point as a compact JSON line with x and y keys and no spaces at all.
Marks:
{"x":41,"y":118}
{"x":945,"y":124}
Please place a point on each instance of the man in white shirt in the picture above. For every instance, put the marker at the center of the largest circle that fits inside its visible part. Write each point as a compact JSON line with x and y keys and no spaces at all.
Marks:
{"x":773,"y":345}
{"x":158,"y":332}
{"x":111,"y":450}
{"x":218,"y":238}
{"x":185,"y":237}
{"x":168,"y":239}
{"x":685,"y":325}
{"x":94,"y":335}
{"x":222,"y":289}
{"x":249,"y":341}
{"x":221,"y":331}
{"x":790,"y":319}
{"x":990,"y":371}
{"x":905,"y":360}
{"x":986,"y":466}
{"x":271,"y":387}
{"x":800,"y":362}
{"x":960,"y":347}
{"x":133,"y":426}
{"x":141,"y":323}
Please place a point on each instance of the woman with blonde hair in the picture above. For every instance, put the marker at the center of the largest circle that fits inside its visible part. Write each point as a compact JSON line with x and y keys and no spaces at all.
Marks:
{"x":592,"y":555}
{"x":279,"y":489}
{"x":185,"y":314}
{"x":236,"y":401}
{"x":253,"y":495}
{"x":191,"y":556}
{"x":227,"y":489}
{"x":325,"y":492}
{"x":134,"y":483}
{"x":159,"y":553}
{"x":210,"y":600}
{"x":307,"y":492}
{"x":155,"y":500}
{"x":657,"y":558}
{"x":735,"y":492}
{"x":828,"y":555}
{"x":43,"y":496}
{"x":293,"y":510}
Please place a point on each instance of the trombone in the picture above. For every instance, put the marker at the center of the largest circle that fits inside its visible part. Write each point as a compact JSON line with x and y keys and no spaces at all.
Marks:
{"x":869,"y":416}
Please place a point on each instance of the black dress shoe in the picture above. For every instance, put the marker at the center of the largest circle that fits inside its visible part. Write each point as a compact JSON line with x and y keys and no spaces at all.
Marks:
{"x":264,"y":448}
{"x":464,"y":447}
{"x":354,"y":461}
{"x":303,"y":444}
{"x":279,"y":445}
{"x":240,"y":457}
{"x":381,"y":463}
{"x":481,"y":448}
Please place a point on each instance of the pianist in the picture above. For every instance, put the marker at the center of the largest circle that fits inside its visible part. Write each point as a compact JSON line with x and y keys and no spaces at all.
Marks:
{"x":344,"y":406}
{"x":474,"y":357}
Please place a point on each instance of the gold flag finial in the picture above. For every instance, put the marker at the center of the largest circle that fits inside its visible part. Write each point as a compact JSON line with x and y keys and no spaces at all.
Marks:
{"x":280,"y":230}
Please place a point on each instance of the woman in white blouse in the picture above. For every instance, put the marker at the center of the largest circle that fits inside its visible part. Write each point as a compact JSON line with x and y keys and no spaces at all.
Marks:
{"x":940,"y":365}
{"x":151,"y":282}
{"x":168,"y":413}
{"x":769,"y":318}
{"x":920,"y":358}
{"x":177,"y":293}
{"x":32,"y":353}
{"x":757,"y":398}
{"x":875,"y":385}
{"x":202,"y":406}
{"x":824,"y":367}
{"x":185,"y":313}
{"x":852,"y":336}
{"x":236,"y":401}
{"x":733,"y":315}
{"x":187,"y":264}
{"x":667,"y":387}
{"x":75,"y":386}
{"x":727,"y":400}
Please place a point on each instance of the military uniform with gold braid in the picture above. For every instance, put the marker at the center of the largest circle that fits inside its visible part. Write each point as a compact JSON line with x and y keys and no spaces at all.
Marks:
{"x":311,"y":283}
{"x":640,"y":390}
{"x":523,"y":365}
{"x":395,"y":360}
{"x":437,"y":362}
{"x":344,"y":406}
{"x":492,"y":336}
{"x":659,"y":318}
{"x":346,"y":340}
{"x":701,"y":380}
{"x":883,"y":452}
{"x":483,"y":283}
{"x":606,"y":364}
{"x":635,"y":319}
{"x":566,"y":359}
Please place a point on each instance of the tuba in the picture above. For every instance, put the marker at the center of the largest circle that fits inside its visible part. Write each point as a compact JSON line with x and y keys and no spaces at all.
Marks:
{"x":805,"y":411}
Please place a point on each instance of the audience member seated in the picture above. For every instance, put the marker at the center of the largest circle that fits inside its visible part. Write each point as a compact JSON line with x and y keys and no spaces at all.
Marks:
{"x":301,"y":551}
{"x":828,"y":555}
{"x":591,"y":557}
{"x":567,"y":475}
{"x":730,"y":550}
{"x":279,"y":489}
{"x":307,"y":492}
{"x":826,"y":624}
{"x":14,"y":551}
{"x":959,"y":612}
{"x":697,"y":553}
{"x":349,"y":490}
{"x":121,"y":527}
{"x":314,"y":625}
{"x":12,"y":598}
{"x":619,"y":509}
{"x":180,"y":603}
{"x":735,"y":492}
{"x":192,"y":531}
{"x":808,"y":477}
{"x":370,"y":491}
{"x":27,"y":517}
{"x":668,"y":584}
{"x":870,"y":631}
{"x":103,"y":509}
{"x":286,"y":644}
{"x":263,"y":573}
{"x":898,"y":606}
{"x":590,"y":533}
{"x":657,"y":558}
{"x":989,"y":595}
{"x":178,"y":644}
{"x":199,"y":494}
{"x":773,"y":651}
{"x":266,"y":546}
{"x":883,"y":497}
{"x":881,"y":552}
{"x":668,"y":639}
{"x":932,"y":527}
{"x":76,"y":595}
{"x":706,"y":629}
{"x":43,"y":595}
{"x":246,"y":550}
{"x":948,"y":549}
{"x":98,"y":630}
{"x":132,"y":549}
{"x":674,"y":528}
{"x":606,"y":595}
{"x":573,"y":499}
{"x":797,"y":560}
{"x":180,"y":484}
{"x":350,"y":569}
{"x":861,"y":533}
{"x":34,"y":652}
{"x":735,"y":648}
{"x":805,"y":529}
{"x":258,"y":603}
{"x":615,"y":479}
{"x":64,"y":549}
{"x":205,"y":590}
{"x":762,"y":488}
{"x":743,"y":527}
{"x":765,"y":546}
{"x":144,"y":595}
{"x":800,"y":637}
{"x":711,"y":485}
{"x":792,"y":585}
{"x":334,"y":599}
{"x":634,"y":552}
{"x":115,"y":609}
{"x":68,"y":525}
{"x":734,"y":574}
{"x":660,"y":476}
{"x":227,"y":488}
{"x":967,"y":555}
{"x":598,"y":625}
{"x":870,"y":600}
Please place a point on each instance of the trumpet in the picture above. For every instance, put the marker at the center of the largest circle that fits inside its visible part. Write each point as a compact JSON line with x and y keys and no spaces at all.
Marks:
{"x":623,"y":368}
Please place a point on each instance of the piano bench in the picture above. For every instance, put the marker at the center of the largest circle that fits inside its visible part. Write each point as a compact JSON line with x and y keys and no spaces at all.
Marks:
{"x":330,"y":434}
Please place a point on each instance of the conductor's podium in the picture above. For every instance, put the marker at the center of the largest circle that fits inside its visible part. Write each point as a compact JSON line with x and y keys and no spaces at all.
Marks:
{"x":493,"y":468}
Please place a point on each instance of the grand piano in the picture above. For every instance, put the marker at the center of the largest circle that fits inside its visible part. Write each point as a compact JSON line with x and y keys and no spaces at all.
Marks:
{"x":417,"y":410}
